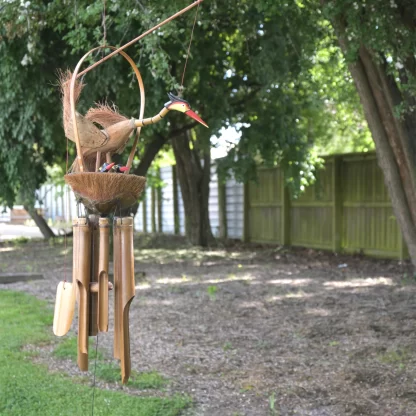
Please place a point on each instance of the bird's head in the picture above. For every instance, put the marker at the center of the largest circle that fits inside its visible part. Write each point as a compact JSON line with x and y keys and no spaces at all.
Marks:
{"x":179,"y":104}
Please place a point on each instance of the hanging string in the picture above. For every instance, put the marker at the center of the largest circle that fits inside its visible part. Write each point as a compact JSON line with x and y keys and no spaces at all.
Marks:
{"x":189,"y":47}
{"x":104,"y":25}
{"x":95,"y":370}
{"x":67,"y":211}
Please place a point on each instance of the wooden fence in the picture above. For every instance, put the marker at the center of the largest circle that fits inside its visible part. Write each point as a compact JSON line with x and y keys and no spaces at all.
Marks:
{"x":162,"y":209}
{"x":347,"y":209}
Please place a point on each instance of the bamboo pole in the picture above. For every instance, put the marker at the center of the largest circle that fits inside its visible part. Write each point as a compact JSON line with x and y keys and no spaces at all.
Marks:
{"x":94,"y":275}
{"x":127,"y":293}
{"x":117,"y":287}
{"x":103,"y":276}
{"x":124,"y":291}
{"x":83,"y":280}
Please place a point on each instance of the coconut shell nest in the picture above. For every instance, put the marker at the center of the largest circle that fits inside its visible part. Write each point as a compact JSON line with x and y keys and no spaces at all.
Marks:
{"x":104,"y":193}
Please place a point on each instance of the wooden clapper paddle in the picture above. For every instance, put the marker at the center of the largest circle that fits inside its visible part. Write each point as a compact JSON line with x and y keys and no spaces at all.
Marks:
{"x":66,"y":292}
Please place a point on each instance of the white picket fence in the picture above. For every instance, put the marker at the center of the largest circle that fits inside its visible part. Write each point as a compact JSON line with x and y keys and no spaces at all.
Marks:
{"x":58,"y":204}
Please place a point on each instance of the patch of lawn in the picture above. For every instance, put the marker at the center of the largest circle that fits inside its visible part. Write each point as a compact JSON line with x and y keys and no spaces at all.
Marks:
{"x":110,"y":371}
{"x":67,"y":348}
{"x":150,"y":380}
{"x":28,"y":389}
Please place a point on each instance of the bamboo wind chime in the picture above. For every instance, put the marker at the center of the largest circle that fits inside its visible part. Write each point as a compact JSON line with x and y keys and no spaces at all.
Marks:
{"x":104,"y":192}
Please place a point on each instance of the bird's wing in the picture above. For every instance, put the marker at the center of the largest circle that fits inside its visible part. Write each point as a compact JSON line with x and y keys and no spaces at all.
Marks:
{"x":90,"y":135}
{"x":104,"y":115}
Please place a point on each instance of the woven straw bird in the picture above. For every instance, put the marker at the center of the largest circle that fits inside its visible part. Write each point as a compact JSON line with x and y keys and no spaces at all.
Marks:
{"x":116,"y":127}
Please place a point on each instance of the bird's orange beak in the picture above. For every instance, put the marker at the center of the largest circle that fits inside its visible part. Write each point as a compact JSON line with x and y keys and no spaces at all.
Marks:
{"x":196,"y":117}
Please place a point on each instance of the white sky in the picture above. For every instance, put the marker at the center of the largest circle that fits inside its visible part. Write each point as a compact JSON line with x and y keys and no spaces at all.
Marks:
{"x":224,"y":142}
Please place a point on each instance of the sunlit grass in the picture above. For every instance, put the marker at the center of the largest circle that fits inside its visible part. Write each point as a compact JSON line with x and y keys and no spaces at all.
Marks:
{"x":29,"y":389}
{"x":107,"y":370}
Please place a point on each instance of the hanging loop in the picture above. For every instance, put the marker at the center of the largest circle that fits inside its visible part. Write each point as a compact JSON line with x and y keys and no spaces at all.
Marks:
{"x":72,"y":99}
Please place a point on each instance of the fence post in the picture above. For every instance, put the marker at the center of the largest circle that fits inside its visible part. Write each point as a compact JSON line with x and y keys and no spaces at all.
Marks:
{"x":153,"y":209}
{"x":222,"y":208}
{"x":159,"y":203}
{"x":175,"y":200}
{"x":337,"y":204}
{"x":246,"y":212}
{"x":285,"y":212}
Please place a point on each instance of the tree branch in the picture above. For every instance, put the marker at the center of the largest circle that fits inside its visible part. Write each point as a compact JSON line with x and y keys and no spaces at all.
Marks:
{"x":150,"y":152}
{"x":181,"y":130}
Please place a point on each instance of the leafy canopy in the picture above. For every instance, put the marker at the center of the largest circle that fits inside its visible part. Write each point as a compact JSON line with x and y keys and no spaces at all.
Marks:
{"x":271,"y":68}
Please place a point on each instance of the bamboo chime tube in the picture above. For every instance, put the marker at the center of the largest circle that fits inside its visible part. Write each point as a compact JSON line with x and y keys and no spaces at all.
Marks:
{"x":125,"y":291}
{"x":82,"y":273}
{"x":94,"y":275}
{"x":117,"y":288}
{"x":103,"y":275}
{"x":128,"y":292}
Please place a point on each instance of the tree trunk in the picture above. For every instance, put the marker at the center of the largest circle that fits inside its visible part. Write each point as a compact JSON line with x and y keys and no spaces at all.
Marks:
{"x":392,"y":136}
{"x":40,"y":222}
{"x":194,"y":178}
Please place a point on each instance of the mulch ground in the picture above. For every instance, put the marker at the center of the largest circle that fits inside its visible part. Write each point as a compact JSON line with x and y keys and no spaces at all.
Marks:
{"x":254,"y":330}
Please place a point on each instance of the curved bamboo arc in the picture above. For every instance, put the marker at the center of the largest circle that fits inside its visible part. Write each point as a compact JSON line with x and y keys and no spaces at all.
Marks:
{"x":72,"y":98}
{"x":148,"y":32}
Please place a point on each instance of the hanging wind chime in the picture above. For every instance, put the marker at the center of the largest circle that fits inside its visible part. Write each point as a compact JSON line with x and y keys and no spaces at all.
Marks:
{"x":105,"y":190}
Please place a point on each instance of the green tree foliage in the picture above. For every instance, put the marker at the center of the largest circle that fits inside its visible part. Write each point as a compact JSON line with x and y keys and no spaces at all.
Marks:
{"x":341,"y":127}
{"x":269,"y":67}
{"x":28,"y":104}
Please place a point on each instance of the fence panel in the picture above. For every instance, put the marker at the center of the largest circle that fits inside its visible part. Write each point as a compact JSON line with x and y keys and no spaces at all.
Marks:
{"x":234,"y":196}
{"x":369,"y":225}
{"x":348,"y":202}
{"x":168,"y":217}
{"x":311,"y":222}
{"x":213,"y":206}
{"x":265,"y":207}
{"x":348,"y":208}
{"x":138,"y":218}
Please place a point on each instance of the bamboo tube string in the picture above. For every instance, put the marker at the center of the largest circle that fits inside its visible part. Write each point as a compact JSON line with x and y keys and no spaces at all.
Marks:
{"x":95,"y":371}
{"x":148,"y":32}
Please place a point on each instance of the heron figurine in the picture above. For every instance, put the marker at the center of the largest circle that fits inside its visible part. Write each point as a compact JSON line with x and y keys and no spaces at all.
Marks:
{"x":116,"y":128}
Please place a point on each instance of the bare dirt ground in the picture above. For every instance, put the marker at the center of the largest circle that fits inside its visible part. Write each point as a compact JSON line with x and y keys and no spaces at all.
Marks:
{"x":251,"y":330}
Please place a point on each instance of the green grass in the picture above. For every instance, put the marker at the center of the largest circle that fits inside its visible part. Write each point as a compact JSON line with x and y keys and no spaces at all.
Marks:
{"x":67,"y":348}
{"x":20,"y":241}
{"x":109,"y":371}
{"x":28,"y":389}
{"x":399,"y":356}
